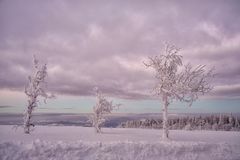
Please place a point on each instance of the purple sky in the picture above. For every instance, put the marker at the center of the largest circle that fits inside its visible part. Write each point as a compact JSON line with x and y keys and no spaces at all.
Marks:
{"x":103,"y":43}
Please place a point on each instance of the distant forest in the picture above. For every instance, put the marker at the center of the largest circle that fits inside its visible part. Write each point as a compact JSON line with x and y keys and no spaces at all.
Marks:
{"x":211,"y":122}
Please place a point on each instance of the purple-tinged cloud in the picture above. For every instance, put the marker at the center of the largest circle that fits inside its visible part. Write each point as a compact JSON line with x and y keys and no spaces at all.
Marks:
{"x":99,"y":43}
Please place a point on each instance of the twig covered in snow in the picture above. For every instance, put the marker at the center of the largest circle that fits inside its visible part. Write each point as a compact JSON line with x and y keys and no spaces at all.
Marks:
{"x":35,"y":88}
{"x":175,"y":82}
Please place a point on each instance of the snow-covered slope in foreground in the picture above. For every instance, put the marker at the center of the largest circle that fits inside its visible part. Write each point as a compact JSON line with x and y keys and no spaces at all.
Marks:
{"x":66,"y":142}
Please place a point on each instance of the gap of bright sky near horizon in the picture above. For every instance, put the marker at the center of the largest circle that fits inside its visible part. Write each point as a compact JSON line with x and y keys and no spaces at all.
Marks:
{"x":103,"y":43}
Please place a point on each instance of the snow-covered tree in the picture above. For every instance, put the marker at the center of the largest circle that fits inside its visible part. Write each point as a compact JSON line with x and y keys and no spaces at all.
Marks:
{"x":176,"y":81}
{"x":221,"y":121}
{"x":231,"y":119}
{"x":100,"y":110}
{"x":236,"y":124}
{"x":35,"y":88}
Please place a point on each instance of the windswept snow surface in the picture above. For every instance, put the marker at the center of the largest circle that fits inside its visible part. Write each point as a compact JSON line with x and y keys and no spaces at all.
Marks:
{"x":82,"y":143}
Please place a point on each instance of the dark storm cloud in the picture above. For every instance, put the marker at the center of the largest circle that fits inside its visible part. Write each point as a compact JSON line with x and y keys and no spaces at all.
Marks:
{"x":103,"y":43}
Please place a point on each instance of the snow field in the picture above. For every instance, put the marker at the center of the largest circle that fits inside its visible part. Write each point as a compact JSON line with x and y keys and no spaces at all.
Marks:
{"x":81,"y":143}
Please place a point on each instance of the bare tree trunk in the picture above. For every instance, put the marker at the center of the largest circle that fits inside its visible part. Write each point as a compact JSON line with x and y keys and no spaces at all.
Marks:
{"x":165,"y":118}
{"x":27,"y":121}
{"x":96,"y":124}
{"x":97,"y":129}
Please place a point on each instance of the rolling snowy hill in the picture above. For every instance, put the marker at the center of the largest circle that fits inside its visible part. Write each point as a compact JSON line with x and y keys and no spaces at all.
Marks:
{"x":73,"y":142}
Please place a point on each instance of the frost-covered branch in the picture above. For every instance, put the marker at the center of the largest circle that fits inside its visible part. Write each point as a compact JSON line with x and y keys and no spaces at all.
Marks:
{"x":35,"y":88}
{"x":102,"y":108}
{"x":177,"y":82}
{"x":192,"y":82}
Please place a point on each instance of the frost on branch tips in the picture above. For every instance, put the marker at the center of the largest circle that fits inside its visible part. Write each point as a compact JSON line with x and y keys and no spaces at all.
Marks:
{"x":175,"y":81}
{"x":35,"y":88}
{"x":101,"y":108}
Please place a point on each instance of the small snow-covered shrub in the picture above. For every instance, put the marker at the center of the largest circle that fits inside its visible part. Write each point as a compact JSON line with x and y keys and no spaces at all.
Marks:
{"x":188,"y":127}
{"x":101,"y":108}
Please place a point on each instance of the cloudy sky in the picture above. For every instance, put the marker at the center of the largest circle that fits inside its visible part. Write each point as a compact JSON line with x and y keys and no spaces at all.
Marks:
{"x":103,"y":43}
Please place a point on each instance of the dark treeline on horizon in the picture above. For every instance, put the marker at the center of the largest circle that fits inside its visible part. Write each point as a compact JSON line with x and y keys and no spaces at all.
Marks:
{"x":198,"y":122}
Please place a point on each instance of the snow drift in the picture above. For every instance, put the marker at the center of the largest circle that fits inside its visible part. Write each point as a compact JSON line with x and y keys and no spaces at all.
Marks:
{"x":118,"y":150}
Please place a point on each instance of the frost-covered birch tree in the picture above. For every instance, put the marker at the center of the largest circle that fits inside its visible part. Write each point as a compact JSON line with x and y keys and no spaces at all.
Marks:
{"x":35,"y":88}
{"x":100,"y":110}
{"x":175,"y":81}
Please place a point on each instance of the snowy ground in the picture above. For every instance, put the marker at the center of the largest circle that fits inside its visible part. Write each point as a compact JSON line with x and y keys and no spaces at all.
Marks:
{"x":71,"y":142}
